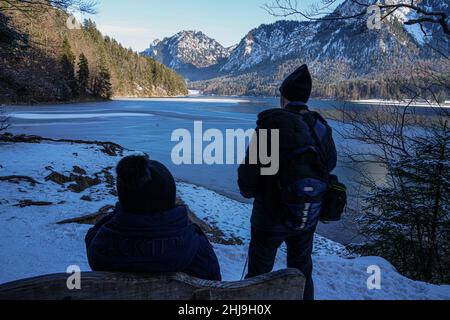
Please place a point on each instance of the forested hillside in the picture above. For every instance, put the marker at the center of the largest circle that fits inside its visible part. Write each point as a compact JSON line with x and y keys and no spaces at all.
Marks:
{"x":43,"y":60}
{"x":335,"y":80}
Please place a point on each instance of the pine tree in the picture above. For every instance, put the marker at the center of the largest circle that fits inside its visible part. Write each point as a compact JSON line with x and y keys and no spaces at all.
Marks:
{"x":102,"y":87}
{"x":407,"y":219}
{"x":10,"y":38}
{"x":83,"y":73}
{"x":70,"y":86}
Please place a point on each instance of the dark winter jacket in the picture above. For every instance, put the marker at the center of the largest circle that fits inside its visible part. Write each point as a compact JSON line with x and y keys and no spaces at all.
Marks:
{"x":154,"y":243}
{"x":294,"y":134}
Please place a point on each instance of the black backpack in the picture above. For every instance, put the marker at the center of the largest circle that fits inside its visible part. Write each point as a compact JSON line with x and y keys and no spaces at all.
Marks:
{"x":308,"y":192}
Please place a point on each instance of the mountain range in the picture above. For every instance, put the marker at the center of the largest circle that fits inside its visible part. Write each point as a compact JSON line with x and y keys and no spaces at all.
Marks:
{"x":337,"y":51}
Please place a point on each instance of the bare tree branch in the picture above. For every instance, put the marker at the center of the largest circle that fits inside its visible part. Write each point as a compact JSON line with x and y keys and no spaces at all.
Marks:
{"x":289,"y":8}
{"x":83,"y":6}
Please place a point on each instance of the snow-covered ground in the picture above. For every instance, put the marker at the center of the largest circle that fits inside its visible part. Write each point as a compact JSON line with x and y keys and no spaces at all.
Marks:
{"x":31,"y":243}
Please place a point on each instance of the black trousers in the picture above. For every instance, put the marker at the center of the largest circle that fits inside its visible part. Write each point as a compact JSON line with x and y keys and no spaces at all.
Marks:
{"x":263,"y":250}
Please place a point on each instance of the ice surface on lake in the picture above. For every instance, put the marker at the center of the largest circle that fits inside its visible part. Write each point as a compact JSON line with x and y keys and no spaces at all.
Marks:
{"x":60,"y":116}
{"x":193,"y":100}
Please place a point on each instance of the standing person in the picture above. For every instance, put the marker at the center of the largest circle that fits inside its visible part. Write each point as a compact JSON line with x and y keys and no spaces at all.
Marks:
{"x":287,"y":205}
{"x":148,"y":232}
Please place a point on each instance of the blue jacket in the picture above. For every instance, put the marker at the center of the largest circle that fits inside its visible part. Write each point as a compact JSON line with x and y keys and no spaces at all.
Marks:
{"x":154,"y":243}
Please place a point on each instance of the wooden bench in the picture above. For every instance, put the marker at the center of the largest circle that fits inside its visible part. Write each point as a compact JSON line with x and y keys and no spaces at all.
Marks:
{"x":281,"y":285}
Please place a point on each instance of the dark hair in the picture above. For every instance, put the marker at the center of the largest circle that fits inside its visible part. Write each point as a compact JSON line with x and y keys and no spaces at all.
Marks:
{"x":145,"y":186}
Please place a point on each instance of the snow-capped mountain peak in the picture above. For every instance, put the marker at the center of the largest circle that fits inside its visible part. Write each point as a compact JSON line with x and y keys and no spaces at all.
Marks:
{"x":187,"y":48}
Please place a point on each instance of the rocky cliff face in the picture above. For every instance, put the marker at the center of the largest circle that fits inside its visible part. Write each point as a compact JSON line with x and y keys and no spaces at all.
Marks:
{"x":188,"y":51}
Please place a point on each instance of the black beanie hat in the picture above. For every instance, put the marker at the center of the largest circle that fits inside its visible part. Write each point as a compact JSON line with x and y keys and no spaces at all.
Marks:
{"x":297,"y":86}
{"x":145,"y":186}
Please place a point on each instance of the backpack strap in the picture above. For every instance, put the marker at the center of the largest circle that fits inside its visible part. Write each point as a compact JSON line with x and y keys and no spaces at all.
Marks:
{"x":311,"y":119}
{"x":303,"y":150}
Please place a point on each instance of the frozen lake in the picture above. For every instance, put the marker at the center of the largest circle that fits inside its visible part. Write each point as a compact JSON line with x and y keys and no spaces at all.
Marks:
{"x":147,"y":125}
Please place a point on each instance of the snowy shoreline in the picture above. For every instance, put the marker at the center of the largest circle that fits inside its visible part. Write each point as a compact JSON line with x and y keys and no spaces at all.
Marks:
{"x":33,"y":244}
{"x":399,"y":103}
{"x":198,"y":99}
{"x":247,"y":99}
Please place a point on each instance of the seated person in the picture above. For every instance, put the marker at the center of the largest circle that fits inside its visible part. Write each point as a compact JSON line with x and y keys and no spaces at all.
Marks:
{"x":149,"y":233}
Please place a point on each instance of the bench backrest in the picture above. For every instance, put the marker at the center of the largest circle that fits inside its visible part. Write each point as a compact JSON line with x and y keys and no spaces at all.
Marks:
{"x":281,"y":285}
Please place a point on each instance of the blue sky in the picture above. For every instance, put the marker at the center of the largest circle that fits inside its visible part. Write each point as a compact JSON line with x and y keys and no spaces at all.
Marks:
{"x":136,"y":23}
